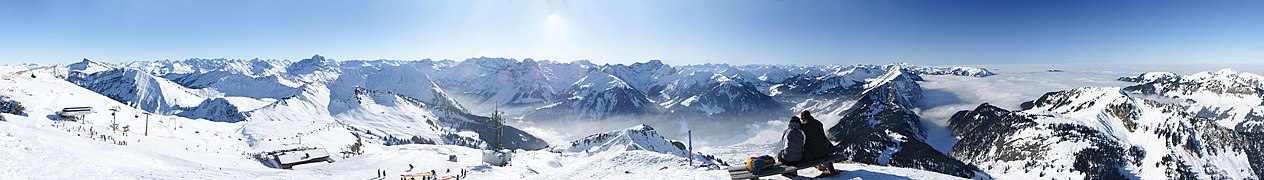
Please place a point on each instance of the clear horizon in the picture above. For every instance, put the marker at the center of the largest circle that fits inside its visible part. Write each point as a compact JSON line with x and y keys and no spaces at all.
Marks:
{"x":678,"y":33}
{"x":1227,"y":65}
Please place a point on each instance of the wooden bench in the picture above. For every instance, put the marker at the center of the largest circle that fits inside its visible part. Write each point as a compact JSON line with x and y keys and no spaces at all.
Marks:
{"x":740,"y":172}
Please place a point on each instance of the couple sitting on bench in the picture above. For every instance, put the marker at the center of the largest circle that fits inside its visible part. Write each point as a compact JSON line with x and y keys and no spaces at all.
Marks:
{"x":805,"y":141}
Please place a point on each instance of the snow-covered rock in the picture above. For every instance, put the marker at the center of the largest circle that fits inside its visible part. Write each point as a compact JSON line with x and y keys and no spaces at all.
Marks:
{"x":217,"y":109}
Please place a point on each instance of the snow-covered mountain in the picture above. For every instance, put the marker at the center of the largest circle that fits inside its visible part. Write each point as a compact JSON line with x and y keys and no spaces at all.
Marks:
{"x":954,"y":70}
{"x":644,"y":76}
{"x":216,"y":109}
{"x":707,"y":94}
{"x":407,"y":79}
{"x":1104,"y":133}
{"x":829,"y":94}
{"x":1232,"y":99}
{"x":38,"y":146}
{"x":151,"y":93}
{"x":882,"y":129}
{"x":390,"y":102}
{"x":270,"y":105}
{"x":234,"y":77}
{"x":486,"y":84}
{"x":639,"y":137}
{"x":1167,"y":126}
{"x":549,"y":90}
{"x":598,"y":95}
{"x":87,"y":66}
{"x":252,"y":67}
{"x":386,"y":102}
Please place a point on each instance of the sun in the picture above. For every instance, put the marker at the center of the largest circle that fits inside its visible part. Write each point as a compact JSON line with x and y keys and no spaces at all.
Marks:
{"x":555,"y":18}
{"x":555,"y":22}
{"x":556,"y":38}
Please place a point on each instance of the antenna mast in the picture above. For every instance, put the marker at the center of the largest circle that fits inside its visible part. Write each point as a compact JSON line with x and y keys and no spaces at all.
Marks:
{"x":498,"y":123}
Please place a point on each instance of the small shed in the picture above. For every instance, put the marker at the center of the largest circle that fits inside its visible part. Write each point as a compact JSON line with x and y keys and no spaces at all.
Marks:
{"x":287,"y":160}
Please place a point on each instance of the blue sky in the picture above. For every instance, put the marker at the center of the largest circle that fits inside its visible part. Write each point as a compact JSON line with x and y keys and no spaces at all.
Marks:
{"x":678,"y":32}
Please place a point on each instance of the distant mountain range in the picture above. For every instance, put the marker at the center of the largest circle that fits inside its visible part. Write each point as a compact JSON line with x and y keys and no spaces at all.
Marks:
{"x":1206,"y":125}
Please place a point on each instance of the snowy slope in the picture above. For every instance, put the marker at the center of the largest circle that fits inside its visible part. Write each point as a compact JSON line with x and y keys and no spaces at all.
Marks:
{"x":637,"y":152}
{"x":1103,"y":133}
{"x":143,"y":90}
{"x":1233,"y":99}
{"x":391,"y":118}
{"x":639,"y":137}
{"x":39,"y":145}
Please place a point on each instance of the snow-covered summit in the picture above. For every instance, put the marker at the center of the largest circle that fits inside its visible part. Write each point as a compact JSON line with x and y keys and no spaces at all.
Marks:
{"x":88,"y":66}
{"x":1152,"y":77}
{"x":252,"y":67}
{"x":1225,"y":80}
{"x":309,"y":65}
{"x":897,"y":86}
{"x":954,"y":70}
{"x":644,"y":76}
{"x":636,"y":138}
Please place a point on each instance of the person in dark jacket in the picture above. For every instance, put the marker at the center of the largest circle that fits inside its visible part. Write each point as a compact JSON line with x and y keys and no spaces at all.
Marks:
{"x":816,"y":145}
{"x":792,"y":149}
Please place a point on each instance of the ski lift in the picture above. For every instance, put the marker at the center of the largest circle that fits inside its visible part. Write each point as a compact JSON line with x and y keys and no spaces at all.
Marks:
{"x":75,"y":113}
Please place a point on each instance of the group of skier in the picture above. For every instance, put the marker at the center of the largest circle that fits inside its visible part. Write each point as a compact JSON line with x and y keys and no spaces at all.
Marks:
{"x":431,"y":175}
